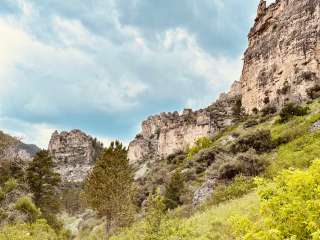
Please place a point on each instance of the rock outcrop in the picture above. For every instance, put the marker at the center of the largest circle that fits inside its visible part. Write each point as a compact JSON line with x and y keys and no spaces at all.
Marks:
{"x":282,"y":62}
{"x":74,"y":154}
{"x":170,"y":133}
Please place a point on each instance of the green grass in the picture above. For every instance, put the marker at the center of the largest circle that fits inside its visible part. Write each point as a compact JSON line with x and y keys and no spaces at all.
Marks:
{"x":211,"y":224}
{"x":297,"y":154}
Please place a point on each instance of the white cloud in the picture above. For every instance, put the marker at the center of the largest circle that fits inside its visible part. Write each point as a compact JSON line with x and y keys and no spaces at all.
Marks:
{"x":80,"y":71}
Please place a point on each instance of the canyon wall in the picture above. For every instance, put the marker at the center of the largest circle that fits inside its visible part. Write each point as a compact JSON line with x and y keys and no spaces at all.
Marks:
{"x":169,"y":133}
{"x":74,"y":154}
{"x":282,"y":62}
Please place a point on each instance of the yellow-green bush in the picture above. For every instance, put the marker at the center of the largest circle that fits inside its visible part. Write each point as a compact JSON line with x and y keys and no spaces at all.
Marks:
{"x":289,"y":205}
{"x":25,"y":205}
{"x":200,"y":144}
{"x":39,"y":230}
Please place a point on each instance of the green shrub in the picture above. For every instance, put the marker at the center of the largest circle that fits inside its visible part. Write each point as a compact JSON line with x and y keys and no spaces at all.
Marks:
{"x":176,"y":158}
{"x":314,"y":92}
{"x":25,"y":205}
{"x":250,"y":123}
{"x":260,"y":141}
{"x":7,"y":187}
{"x":248,"y":164}
{"x":290,"y":110}
{"x":200,"y":144}
{"x":268,"y":110}
{"x":39,"y":230}
{"x":290,"y":207}
{"x":240,"y":186}
{"x":255,"y":111}
{"x":205,"y":157}
{"x":10,"y":185}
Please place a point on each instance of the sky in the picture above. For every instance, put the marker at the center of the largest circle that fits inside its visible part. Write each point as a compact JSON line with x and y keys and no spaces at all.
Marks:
{"x":103,"y":66}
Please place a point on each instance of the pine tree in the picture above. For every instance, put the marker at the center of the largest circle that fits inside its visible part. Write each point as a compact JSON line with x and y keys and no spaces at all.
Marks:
{"x":109,"y":187}
{"x":155,"y":217}
{"x":174,"y":190}
{"x":43,"y":183}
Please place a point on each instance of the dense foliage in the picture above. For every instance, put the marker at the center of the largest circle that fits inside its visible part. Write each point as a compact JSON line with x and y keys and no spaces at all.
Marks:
{"x":290,"y":207}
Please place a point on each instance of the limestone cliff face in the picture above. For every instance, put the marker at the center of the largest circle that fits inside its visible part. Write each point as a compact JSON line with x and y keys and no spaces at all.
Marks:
{"x":169,"y":133}
{"x":282,"y":61}
{"x":281,"y":64}
{"x":74,"y":153}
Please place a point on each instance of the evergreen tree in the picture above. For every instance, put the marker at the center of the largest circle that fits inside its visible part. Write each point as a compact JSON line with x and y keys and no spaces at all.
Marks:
{"x":43,"y":183}
{"x":174,"y":190}
{"x":155,"y":216}
{"x":109,"y":187}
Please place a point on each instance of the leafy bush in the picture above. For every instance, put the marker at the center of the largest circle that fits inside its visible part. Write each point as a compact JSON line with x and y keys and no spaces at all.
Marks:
{"x":260,"y":141}
{"x":25,"y":205}
{"x":269,"y":110}
{"x":240,"y":186}
{"x":10,"y":185}
{"x":205,"y":157}
{"x":314,"y":92}
{"x":39,"y":230}
{"x":200,"y":144}
{"x":250,"y":123}
{"x":248,"y":164}
{"x":290,"y":207}
{"x":7,"y":187}
{"x":290,"y":110}
{"x":255,"y":110}
{"x":176,"y":158}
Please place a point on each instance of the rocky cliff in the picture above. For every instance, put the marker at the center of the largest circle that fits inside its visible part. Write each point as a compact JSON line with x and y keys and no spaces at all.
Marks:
{"x":282,"y":62}
{"x":170,"y":133}
{"x":74,"y":153}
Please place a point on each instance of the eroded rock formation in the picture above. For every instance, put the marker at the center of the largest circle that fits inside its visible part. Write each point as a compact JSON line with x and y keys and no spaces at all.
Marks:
{"x":282,"y":62}
{"x":74,"y":153}
{"x":169,"y":133}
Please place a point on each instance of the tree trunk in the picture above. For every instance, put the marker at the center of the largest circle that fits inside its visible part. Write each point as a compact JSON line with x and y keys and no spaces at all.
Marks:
{"x":108,"y":226}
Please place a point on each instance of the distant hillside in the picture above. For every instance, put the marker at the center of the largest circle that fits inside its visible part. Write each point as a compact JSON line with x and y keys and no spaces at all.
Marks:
{"x":11,"y":147}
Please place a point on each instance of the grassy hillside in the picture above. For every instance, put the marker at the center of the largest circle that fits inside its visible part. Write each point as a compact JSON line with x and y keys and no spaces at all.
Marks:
{"x":295,"y":146}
